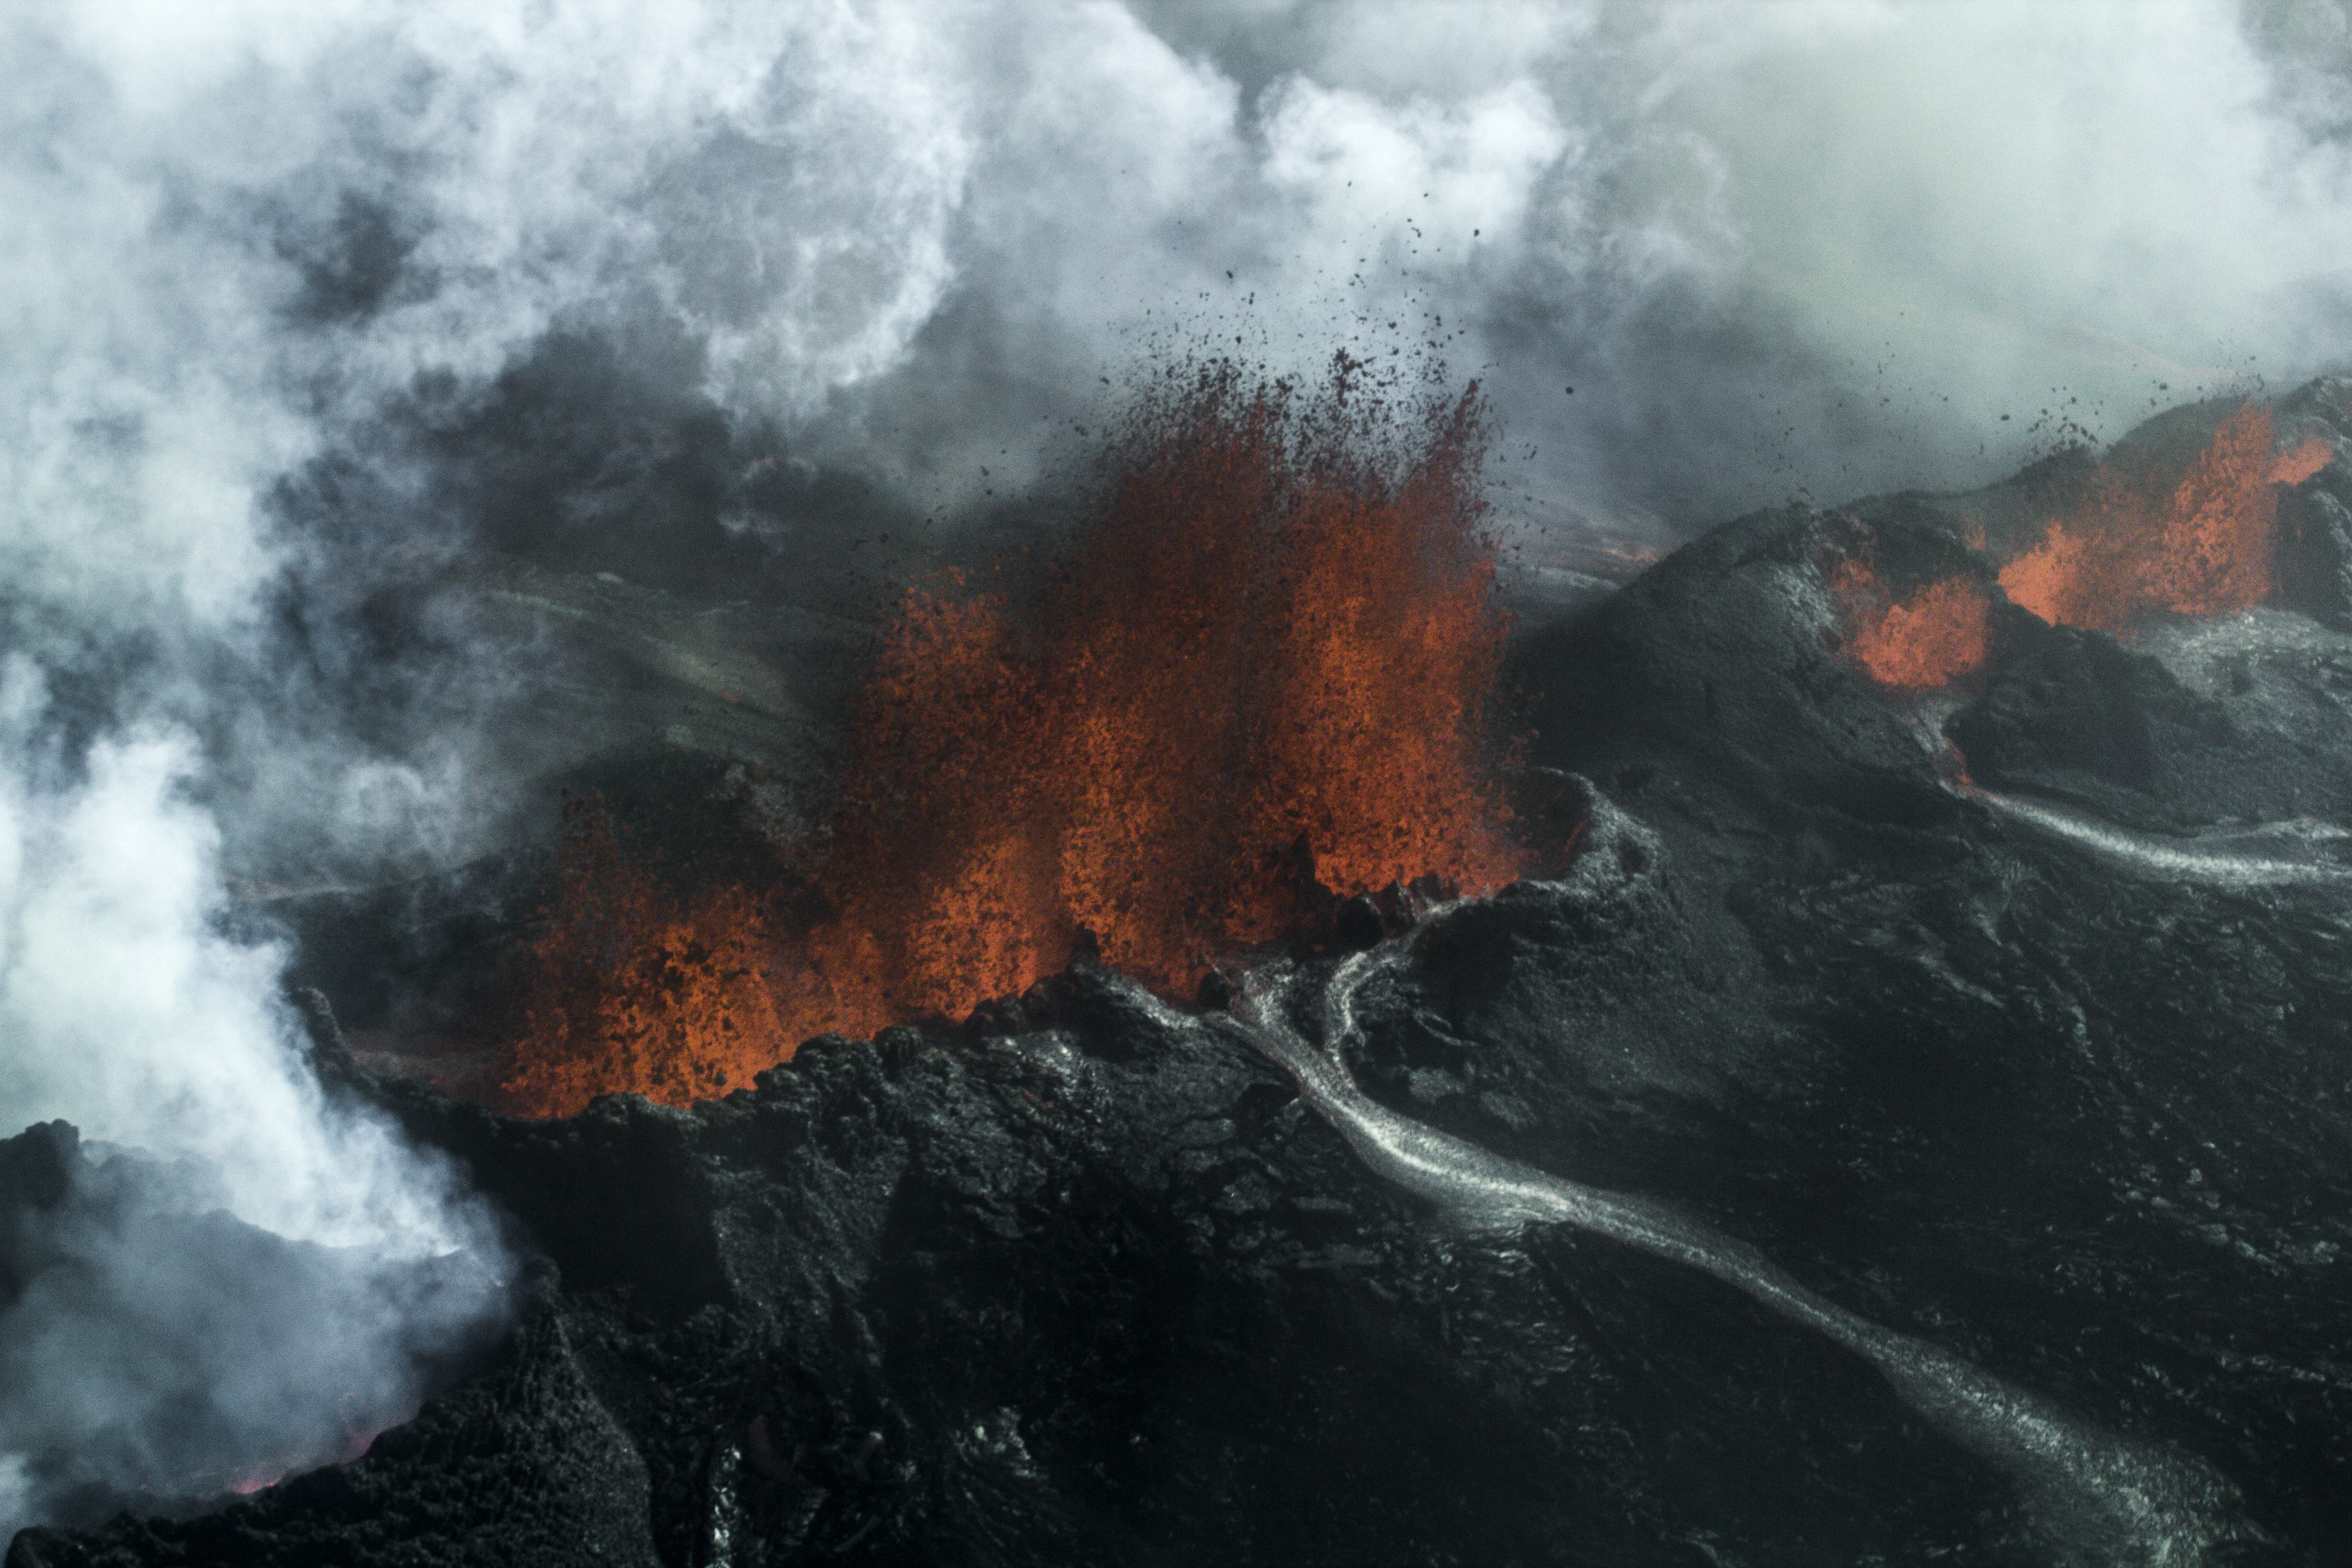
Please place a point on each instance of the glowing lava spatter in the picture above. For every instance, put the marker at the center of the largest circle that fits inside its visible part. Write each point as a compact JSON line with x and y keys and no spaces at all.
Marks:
{"x":633,"y":987}
{"x":1255,"y":683}
{"x":1927,"y":640}
{"x":2197,"y":545}
{"x":2142,"y":540}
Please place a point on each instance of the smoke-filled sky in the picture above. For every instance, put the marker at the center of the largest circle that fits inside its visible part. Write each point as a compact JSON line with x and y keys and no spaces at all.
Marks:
{"x":307,"y":300}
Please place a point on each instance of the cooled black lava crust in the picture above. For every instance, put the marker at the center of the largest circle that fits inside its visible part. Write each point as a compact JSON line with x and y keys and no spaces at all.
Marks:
{"x":1069,"y":1287}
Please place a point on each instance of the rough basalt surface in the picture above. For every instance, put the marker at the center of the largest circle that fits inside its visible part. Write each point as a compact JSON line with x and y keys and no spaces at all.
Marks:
{"x":1075,"y":1285}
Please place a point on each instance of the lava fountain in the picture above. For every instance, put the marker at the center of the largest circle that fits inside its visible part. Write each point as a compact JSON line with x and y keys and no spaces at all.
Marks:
{"x":2143,"y":539}
{"x":1255,"y":683}
{"x":1926,"y":640}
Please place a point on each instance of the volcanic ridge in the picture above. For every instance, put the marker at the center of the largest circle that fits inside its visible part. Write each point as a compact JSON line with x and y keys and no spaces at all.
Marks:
{"x":1837,"y":1051}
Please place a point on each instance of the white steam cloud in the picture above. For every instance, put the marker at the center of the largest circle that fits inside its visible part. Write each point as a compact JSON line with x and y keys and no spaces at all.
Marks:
{"x":126,"y":1011}
{"x":295,"y":293}
{"x":268,"y":1297}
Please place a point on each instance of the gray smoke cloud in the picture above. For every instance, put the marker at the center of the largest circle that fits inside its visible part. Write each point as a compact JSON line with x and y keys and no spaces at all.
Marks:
{"x":310,"y":305}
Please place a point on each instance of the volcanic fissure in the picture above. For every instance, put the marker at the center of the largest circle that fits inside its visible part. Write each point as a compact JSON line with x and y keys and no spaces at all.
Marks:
{"x":1256,"y":684}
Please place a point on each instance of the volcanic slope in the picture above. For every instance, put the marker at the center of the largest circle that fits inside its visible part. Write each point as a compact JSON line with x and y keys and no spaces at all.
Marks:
{"x":2019,"y":1071}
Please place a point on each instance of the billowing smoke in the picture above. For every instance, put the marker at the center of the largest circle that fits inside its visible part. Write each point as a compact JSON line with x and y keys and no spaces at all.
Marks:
{"x":314,"y":307}
{"x":264,"y":1279}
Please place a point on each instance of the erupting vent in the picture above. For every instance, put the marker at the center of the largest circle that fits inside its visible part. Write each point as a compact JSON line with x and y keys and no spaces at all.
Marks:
{"x":632,"y":987}
{"x":2143,"y":539}
{"x":1930,"y":639}
{"x":2197,"y":545}
{"x":1254,"y":685}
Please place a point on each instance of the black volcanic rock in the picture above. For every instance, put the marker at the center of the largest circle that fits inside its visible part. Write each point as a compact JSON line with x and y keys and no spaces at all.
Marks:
{"x":2314,"y":549}
{"x":1088,"y":1281}
{"x":1098,"y":1293}
{"x":37,"y":1169}
{"x":2076,"y":715}
{"x":1104,"y":1289}
{"x":1727,"y":651}
{"x":2240,"y":720}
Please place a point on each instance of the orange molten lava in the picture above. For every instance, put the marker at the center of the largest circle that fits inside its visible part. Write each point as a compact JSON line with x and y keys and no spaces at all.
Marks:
{"x":1928,"y":640}
{"x":2199,"y":545}
{"x":634,"y":988}
{"x":1256,"y":684}
{"x":2308,"y":456}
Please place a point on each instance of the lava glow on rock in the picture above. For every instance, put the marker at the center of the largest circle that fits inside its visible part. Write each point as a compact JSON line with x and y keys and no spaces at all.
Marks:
{"x":2201,"y":546}
{"x":1928,"y":640}
{"x":1256,"y":683}
{"x":2142,"y":540}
